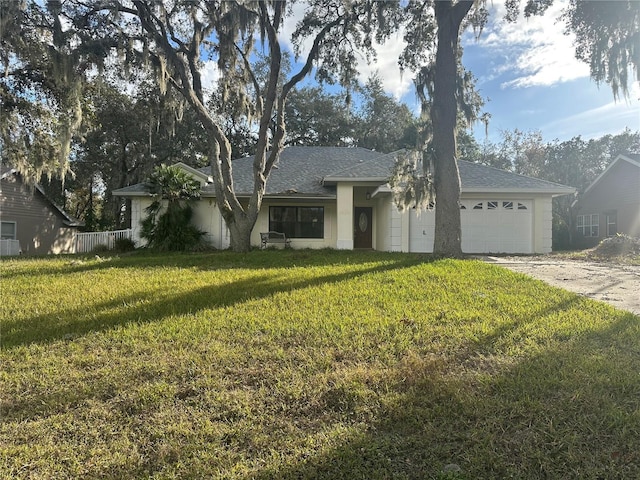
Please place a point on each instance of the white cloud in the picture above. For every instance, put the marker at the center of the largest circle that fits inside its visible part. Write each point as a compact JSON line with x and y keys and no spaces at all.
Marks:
{"x":529,"y":52}
{"x":386,"y":64}
{"x":210,"y":74}
{"x":394,"y":81}
{"x":533,"y":51}
{"x":596,"y":122}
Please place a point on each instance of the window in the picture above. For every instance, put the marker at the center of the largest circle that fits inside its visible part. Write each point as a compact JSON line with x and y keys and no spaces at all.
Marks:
{"x":507,"y":205}
{"x":612,"y":224}
{"x":478,"y":206}
{"x":492,"y":205}
{"x":297,"y":222}
{"x":521,"y":206}
{"x":8,"y":231}
{"x":588,"y":225}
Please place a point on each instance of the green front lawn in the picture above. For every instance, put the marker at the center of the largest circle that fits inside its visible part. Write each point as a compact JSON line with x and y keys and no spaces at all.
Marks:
{"x":298,"y":364}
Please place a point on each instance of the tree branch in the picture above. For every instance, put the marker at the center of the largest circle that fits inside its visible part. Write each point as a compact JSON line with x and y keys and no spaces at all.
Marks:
{"x":311,"y":57}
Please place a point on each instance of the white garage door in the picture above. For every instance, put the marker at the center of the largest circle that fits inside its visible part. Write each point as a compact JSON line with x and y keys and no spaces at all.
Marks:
{"x":488,"y":226}
{"x":497,"y":226}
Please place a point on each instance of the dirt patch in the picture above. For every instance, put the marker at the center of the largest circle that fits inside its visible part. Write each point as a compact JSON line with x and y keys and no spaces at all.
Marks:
{"x":618,"y":285}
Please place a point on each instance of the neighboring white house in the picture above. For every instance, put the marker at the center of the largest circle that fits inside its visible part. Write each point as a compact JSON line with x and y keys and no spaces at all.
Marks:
{"x":338,"y":197}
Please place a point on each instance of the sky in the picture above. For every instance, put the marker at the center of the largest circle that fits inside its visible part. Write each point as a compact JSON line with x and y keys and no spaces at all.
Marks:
{"x":529,"y":77}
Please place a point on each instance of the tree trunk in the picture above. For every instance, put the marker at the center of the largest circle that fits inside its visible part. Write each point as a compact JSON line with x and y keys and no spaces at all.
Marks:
{"x":448,"y":230}
{"x":240,"y":236}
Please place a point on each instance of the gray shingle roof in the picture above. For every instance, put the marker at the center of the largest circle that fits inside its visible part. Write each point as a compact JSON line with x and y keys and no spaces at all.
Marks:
{"x":135,"y":190}
{"x":299,"y":170}
{"x":481,"y":177}
{"x":377,"y":168}
{"x":313,"y":171}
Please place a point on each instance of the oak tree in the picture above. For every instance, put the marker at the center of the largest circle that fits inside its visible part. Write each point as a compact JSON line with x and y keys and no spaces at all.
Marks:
{"x":181,"y":37}
{"x":606,"y":37}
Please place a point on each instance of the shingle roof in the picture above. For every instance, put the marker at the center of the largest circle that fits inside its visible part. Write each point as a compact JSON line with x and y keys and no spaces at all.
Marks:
{"x":132,"y":190}
{"x":375,"y":169}
{"x":475,"y":177}
{"x":312,"y":171}
{"x":299,"y":170}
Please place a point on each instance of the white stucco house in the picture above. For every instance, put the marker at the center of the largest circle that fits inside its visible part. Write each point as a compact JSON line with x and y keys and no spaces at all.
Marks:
{"x":338,"y":197}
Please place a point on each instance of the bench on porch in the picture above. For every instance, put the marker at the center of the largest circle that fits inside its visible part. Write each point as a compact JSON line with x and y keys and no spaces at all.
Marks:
{"x":274,"y":237}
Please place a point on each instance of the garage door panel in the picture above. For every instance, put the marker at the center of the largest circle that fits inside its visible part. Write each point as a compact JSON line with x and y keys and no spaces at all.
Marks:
{"x":493,"y":226}
{"x":488,"y":226}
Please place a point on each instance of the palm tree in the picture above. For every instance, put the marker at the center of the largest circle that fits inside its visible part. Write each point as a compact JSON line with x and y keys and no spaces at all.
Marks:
{"x":171,"y":228}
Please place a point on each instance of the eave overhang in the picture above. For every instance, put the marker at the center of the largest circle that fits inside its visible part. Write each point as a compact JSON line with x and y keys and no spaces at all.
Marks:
{"x":329,"y":180}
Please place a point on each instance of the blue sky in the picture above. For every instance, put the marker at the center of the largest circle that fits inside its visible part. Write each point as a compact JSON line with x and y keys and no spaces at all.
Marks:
{"x":529,"y":73}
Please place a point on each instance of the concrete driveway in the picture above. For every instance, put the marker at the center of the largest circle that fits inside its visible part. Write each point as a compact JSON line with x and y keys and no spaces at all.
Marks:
{"x":618,"y":285}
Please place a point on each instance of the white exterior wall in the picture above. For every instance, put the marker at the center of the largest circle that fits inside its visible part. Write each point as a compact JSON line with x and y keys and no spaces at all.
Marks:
{"x":344,"y":240}
{"x":138,"y":213}
{"x":383,"y":232}
{"x":391,"y":228}
{"x":543,"y":219}
{"x":206,"y":217}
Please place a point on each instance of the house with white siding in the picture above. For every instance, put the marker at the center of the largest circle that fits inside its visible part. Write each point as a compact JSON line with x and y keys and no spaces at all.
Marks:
{"x":339,"y":197}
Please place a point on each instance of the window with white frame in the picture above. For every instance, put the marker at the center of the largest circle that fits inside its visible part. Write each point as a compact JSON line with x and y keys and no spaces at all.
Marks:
{"x":588,"y":225}
{"x":7,"y":230}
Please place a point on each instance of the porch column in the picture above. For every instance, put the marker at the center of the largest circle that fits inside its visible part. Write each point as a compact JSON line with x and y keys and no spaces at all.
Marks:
{"x":345,"y":217}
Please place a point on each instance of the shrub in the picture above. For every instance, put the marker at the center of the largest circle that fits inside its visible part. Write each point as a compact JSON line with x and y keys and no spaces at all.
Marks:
{"x":171,"y":229}
{"x":100,"y":248}
{"x":124,"y":245}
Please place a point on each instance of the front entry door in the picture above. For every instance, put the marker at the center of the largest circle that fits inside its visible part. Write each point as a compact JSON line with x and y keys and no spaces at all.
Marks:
{"x":362,"y":237}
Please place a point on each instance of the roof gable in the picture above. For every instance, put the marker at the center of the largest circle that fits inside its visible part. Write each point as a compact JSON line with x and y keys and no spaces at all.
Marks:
{"x":68,"y":219}
{"x":631,"y":158}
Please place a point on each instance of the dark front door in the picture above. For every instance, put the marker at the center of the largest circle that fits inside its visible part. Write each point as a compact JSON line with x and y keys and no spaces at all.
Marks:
{"x":362,"y":227}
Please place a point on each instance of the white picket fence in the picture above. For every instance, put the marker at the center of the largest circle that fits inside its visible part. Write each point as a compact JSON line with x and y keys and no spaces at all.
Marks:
{"x":87,"y":241}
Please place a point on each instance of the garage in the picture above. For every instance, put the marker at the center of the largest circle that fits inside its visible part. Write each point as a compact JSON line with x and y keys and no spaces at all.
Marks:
{"x":497,"y":226}
{"x":488,"y":226}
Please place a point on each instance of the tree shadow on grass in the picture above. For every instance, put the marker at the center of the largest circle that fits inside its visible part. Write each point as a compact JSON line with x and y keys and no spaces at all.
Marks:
{"x":218,"y":260}
{"x":569,"y":411}
{"x":155,"y":305}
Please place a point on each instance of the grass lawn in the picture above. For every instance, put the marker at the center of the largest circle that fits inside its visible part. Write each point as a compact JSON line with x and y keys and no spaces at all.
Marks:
{"x":298,"y":364}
